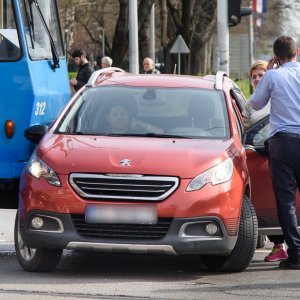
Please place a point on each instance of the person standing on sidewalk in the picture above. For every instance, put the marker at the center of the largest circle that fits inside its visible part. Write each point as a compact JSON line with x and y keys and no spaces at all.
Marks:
{"x":85,"y":70}
{"x":281,"y":86}
{"x":149,"y":67}
{"x":106,"y":62}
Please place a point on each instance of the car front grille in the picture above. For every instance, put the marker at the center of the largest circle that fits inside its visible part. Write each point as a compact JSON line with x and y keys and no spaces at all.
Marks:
{"x":121,"y":231}
{"x":123,"y":186}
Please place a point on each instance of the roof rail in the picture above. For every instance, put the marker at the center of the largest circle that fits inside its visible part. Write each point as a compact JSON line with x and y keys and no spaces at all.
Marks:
{"x":105,"y":72}
{"x":219,"y":80}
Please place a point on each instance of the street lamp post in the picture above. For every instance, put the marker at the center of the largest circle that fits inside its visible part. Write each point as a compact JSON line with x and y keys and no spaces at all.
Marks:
{"x":223,"y":36}
{"x":102,"y":37}
{"x":133,"y":38}
{"x":152,"y":33}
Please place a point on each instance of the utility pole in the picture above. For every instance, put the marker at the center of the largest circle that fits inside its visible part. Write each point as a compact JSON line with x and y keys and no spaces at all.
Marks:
{"x":230,"y":13}
{"x":102,"y":37}
{"x":223,"y":36}
{"x":251,"y":52}
{"x":152,"y":33}
{"x":133,"y":38}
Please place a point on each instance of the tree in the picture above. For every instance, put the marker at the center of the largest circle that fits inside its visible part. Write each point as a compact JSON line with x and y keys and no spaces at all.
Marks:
{"x":121,"y":36}
{"x":285,"y":14}
{"x":195,"y":20}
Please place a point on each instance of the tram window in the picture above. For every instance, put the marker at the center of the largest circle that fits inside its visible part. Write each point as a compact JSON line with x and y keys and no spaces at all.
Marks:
{"x":38,"y":42}
{"x":9,"y":40}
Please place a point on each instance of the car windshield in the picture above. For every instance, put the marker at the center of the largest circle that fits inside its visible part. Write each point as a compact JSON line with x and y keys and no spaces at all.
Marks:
{"x":147,"y":111}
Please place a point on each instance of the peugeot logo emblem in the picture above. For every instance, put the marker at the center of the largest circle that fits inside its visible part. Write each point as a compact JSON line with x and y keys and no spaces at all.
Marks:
{"x":125,"y":162}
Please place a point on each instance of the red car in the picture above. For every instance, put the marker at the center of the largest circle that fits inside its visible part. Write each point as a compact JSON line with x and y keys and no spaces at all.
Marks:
{"x":141,"y":163}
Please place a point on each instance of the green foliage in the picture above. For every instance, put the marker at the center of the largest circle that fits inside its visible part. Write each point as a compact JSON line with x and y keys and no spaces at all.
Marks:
{"x":244,"y":85}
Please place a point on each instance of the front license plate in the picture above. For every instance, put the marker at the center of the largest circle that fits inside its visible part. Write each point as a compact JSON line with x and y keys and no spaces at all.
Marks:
{"x":124,"y":214}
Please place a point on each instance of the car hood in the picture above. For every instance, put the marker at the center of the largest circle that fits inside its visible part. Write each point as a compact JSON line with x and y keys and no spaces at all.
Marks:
{"x":184,"y":158}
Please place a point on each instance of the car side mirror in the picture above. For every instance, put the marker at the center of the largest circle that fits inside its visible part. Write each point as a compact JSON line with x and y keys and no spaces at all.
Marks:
{"x":35,"y":133}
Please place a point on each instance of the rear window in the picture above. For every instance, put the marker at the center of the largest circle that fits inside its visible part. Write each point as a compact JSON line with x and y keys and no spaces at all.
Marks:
{"x":178,"y":112}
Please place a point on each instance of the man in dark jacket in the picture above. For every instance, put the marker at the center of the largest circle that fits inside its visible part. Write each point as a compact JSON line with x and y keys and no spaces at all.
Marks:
{"x":85,"y":70}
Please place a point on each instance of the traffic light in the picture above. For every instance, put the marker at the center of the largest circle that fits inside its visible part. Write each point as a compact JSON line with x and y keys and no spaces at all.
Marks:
{"x":236,"y":12}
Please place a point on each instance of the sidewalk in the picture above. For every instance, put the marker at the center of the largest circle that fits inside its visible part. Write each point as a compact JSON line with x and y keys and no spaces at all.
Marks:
{"x":7,"y":221}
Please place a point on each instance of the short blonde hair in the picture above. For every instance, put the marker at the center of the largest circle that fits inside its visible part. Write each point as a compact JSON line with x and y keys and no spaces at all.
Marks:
{"x":107,"y":60}
{"x":260,"y":64}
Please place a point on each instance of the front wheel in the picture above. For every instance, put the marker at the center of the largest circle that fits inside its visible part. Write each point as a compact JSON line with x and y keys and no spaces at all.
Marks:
{"x":34,"y":260}
{"x":243,"y":251}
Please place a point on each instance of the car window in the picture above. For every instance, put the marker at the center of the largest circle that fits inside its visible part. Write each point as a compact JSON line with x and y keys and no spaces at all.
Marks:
{"x":182,"y":112}
{"x":9,"y":39}
{"x":258,"y":133}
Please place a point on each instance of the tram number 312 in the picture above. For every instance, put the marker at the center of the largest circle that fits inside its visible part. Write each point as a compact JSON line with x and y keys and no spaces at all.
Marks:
{"x":40,"y":108}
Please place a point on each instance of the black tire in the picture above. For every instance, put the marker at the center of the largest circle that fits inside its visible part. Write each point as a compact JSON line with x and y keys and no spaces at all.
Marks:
{"x":243,"y":251}
{"x":34,"y":260}
{"x":261,"y":241}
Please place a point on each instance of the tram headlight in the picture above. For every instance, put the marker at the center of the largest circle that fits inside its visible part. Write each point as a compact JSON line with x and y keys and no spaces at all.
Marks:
{"x":38,"y":169}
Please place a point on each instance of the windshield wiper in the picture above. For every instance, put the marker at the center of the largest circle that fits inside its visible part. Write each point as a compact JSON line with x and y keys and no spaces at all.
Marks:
{"x":122,"y":134}
{"x":162,"y":135}
{"x":72,"y":132}
{"x":149,"y":134}
{"x":55,"y":58}
{"x":30,"y":24}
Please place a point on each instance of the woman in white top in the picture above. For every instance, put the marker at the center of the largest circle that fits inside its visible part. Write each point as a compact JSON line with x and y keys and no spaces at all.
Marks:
{"x":251,"y":116}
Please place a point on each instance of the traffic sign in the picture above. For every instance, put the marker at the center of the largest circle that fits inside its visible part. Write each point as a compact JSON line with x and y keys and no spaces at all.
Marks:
{"x":179,"y":46}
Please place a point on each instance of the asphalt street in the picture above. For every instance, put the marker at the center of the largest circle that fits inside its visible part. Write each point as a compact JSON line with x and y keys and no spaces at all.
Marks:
{"x":93,"y":275}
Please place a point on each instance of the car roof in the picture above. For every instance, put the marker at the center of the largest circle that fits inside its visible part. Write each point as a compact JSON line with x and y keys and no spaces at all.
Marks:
{"x":156,"y":80}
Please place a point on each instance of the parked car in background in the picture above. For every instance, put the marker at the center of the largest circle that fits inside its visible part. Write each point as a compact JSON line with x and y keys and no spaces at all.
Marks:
{"x":142,"y":163}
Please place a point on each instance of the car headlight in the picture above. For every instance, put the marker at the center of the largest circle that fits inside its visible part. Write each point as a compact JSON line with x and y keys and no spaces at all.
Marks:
{"x":38,"y":169}
{"x":216,"y":175}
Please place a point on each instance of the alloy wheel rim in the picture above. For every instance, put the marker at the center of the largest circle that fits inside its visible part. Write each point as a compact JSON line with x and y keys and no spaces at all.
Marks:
{"x":26,"y":252}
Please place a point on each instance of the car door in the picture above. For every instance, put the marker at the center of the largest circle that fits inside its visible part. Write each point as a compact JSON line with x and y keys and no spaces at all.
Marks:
{"x":262,"y":195}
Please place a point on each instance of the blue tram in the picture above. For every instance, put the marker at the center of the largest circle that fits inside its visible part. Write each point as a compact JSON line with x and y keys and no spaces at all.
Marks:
{"x":34,"y":83}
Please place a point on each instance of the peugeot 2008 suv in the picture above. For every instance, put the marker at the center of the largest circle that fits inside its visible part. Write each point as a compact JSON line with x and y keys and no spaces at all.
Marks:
{"x":140,"y":163}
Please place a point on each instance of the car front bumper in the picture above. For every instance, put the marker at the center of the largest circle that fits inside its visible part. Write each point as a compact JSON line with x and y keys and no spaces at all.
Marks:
{"x":182,"y":236}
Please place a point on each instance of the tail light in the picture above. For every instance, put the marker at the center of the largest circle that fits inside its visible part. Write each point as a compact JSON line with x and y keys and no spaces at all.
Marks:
{"x":9,"y":128}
